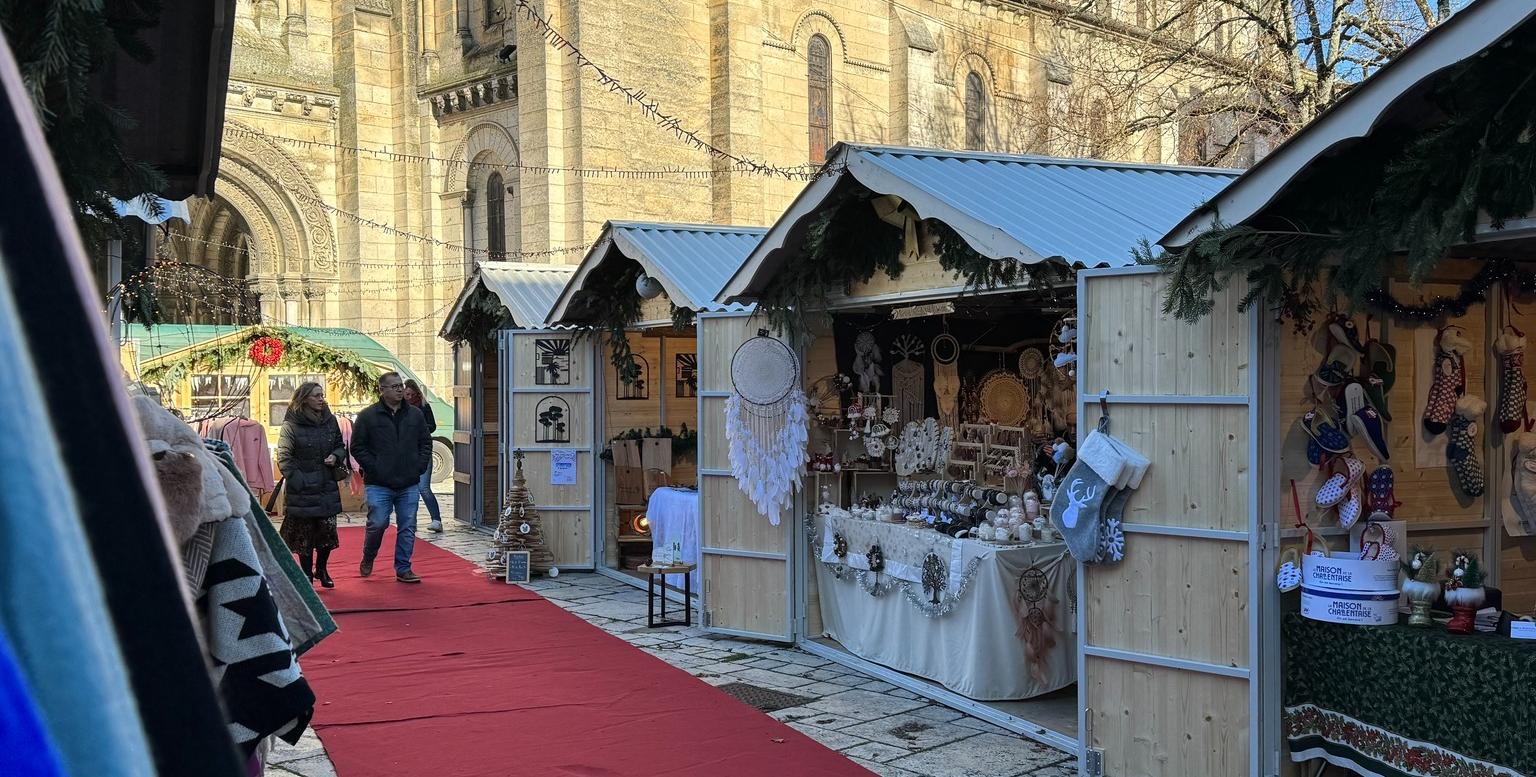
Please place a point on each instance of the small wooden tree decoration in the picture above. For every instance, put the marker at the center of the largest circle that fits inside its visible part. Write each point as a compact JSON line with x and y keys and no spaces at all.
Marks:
{"x":519,"y":528}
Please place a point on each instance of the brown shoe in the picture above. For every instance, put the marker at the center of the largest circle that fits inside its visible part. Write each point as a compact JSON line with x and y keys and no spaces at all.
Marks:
{"x":366,"y":568}
{"x":407,"y":577}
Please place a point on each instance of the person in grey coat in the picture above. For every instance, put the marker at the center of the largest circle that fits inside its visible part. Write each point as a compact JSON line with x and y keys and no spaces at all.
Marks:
{"x":308,"y":451}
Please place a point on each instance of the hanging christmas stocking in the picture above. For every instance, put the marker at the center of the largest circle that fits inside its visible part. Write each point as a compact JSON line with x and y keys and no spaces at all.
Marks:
{"x":1450,"y":379}
{"x":1077,"y":510}
{"x":1523,"y":475}
{"x":1462,"y":450}
{"x":1510,"y":348}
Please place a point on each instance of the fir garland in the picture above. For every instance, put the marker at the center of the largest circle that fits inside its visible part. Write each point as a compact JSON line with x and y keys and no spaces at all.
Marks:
{"x":356,"y":377}
{"x":685,"y":442}
{"x":482,"y":316}
{"x":1404,"y":192}
{"x":682,"y":318}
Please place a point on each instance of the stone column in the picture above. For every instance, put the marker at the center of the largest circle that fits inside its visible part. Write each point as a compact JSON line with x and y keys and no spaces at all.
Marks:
{"x":736,"y":113}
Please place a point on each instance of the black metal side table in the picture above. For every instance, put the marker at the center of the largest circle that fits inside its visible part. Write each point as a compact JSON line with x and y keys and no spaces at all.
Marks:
{"x":655,"y":574}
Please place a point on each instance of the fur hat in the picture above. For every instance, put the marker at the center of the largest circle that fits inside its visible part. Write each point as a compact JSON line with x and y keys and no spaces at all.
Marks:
{"x":192,"y":481}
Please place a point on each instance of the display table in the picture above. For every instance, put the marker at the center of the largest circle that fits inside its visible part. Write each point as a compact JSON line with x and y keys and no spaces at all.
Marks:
{"x":1004,"y":624}
{"x":1397,"y":700}
{"x":674,"y":516}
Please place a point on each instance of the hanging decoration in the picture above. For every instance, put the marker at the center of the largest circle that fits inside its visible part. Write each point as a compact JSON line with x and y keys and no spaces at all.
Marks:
{"x":924,"y":446}
{"x":552,"y":417}
{"x":866,"y":363}
{"x":266,"y":351}
{"x":553,"y":361}
{"x":1036,"y":613}
{"x":946,"y":378}
{"x":907,"y":379}
{"x":766,"y":424}
{"x":355,"y":376}
{"x":1004,"y":399}
{"x":878,"y":585}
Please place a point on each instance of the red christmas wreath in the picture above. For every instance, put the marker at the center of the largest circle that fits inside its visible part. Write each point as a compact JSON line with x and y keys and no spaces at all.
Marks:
{"x":267,"y":351}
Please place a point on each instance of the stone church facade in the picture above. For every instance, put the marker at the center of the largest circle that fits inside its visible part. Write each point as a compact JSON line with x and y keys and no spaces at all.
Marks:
{"x":375,"y":149}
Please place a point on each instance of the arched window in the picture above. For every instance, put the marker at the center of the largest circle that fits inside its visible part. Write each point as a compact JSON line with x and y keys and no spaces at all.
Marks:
{"x":496,"y":217}
{"x":975,"y":112}
{"x":492,"y":12}
{"x":818,"y":58}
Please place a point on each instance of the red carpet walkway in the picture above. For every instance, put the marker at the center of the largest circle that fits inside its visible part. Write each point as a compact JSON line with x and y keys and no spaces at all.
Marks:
{"x":461,"y":677}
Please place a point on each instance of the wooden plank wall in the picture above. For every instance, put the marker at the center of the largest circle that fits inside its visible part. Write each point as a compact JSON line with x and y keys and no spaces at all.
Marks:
{"x":568,"y":531}
{"x":490,"y":408}
{"x":1174,"y":597}
{"x":1427,"y":495}
{"x":741,"y":593}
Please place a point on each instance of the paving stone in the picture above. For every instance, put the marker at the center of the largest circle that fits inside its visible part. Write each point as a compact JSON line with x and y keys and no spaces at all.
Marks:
{"x":286,"y":753}
{"x":609,"y":610}
{"x":770,"y":679}
{"x":825,"y":675}
{"x":836,"y":740}
{"x":764,"y":663}
{"x":879,"y":752}
{"x":820,"y":689}
{"x":863,"y":705}
{"x":798,"y":657}
{"x":939,"y":713}
{"x":902,"y":693}
{"x":884,"y":770}
{"x":814,"y":717}
{"x":1066,"y":768}
{"x":318,"y":766}
{"x":910,"y":732}
{"x":798,"y":670}
{"x":880,"y":687}
{"x":984,"y":754}
{"x":981,"y":725}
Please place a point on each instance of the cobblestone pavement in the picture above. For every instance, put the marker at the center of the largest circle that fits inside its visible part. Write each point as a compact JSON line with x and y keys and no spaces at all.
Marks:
{"x":887,"y":730}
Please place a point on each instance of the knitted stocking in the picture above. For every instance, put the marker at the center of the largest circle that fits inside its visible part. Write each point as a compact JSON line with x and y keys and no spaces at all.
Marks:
{"x":1510,"y":347}
{"x":1450,"y":379}
{"x":1462,"y":451}
{"x":1523,"y":475}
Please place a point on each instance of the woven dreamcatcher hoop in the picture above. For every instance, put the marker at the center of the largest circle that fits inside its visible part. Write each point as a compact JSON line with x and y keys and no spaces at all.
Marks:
{"x":765,"y":424}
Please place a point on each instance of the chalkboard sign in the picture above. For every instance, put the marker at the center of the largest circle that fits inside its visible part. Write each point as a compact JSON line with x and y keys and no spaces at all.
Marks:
{"x":517,"y":566}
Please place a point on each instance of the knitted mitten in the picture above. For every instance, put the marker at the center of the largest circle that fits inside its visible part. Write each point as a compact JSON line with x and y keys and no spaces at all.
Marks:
{"x":1450,"y":379}
{"x":1510,"y":347}
{"x":1462,"y":450}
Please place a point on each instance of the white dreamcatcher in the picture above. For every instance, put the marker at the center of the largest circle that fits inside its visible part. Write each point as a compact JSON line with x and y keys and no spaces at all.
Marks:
{"x":924,"y":446}
{"x":765,"y":424}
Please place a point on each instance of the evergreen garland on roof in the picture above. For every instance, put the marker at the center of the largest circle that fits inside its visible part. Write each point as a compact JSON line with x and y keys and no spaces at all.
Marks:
{"x":1401,"y":194}
{"x":355,"y":376}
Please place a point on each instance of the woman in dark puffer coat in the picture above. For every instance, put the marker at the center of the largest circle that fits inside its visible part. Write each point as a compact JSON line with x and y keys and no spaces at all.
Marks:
{"x":308,"y":450}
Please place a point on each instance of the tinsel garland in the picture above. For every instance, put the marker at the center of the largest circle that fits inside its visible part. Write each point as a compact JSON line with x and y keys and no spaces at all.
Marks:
{"x":1474,"y":292}
{"x":1409,"y":192}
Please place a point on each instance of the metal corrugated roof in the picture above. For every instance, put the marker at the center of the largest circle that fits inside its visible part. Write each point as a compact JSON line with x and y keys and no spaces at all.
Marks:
{"x":691,"y":261}
{"x":528,"y":290}
{"x":1086,"y":213}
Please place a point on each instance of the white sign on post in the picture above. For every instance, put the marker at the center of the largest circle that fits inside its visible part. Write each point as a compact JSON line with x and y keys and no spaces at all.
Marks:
{"x":562,"y":468}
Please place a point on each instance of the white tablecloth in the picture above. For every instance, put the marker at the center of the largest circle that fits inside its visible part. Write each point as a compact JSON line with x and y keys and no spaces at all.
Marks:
{"x":1018,"y":605}
{"x":674,"y":516}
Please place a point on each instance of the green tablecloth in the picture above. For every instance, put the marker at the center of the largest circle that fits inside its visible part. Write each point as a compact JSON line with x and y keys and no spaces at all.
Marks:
{"x":1397,"y":701}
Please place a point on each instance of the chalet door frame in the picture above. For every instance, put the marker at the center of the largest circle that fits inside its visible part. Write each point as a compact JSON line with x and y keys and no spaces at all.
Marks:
{"x":714,"y":363}
{"x":582,"y":353}
{"x":1262,"y":673}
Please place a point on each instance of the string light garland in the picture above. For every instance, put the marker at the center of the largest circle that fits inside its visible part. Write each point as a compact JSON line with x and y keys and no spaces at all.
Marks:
{"x":582,"y":172}
{"x":652,"y":109}
{"x":458,"y":262}
{"x":397,"y":232}
{"x":1474,"y":292}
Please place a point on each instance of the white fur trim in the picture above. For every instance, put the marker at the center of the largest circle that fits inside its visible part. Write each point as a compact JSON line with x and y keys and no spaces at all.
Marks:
{"x":1450,"y":342}
{"x":1508,"y":342}
{"x":1470,"y":406}
{"x":1100,"y":454}
{"x":1466,"y":597}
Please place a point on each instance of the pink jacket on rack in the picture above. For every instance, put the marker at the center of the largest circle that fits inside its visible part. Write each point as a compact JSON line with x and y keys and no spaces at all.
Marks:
{"x":248,"y":444}
{"x":355,"y":482}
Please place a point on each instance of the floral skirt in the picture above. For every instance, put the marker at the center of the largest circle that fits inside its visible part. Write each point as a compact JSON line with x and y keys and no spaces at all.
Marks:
{"x":304,"y":535}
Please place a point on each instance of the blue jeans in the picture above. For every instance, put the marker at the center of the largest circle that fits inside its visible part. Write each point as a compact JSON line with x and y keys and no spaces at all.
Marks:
{"x":425,"y":487}
{"x":403,"y":501}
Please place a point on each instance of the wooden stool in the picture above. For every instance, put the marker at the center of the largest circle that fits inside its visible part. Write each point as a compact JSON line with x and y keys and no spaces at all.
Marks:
{"x":654,"y":572}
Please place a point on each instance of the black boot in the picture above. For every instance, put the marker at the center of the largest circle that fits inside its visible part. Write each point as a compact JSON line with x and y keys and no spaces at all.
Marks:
{"x":306,"y":563}
{"x":323,"y":575}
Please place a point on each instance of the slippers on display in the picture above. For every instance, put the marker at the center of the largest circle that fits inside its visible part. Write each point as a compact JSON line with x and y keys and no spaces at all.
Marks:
{"x":1288,"y":576}
{"x":1377,"y":543}
{"x":1381,"y":363}
{"x":1382,"y":502}
{"x":1322,"y":430}
{"x":1344,"y":332}
{"x":1376,"y":394}
{"x":1351,"y":508}
{"x":1364,"y":422}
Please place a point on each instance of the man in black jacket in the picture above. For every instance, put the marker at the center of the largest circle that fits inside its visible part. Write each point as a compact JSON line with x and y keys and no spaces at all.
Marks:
{"x":392,"y":446}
